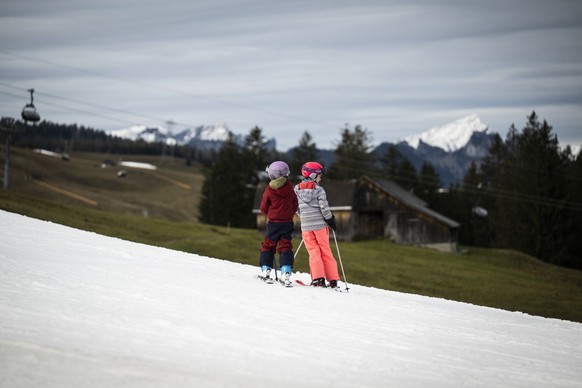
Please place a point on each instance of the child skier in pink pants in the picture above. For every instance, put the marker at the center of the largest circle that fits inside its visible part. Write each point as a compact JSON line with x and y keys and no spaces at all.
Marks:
{"x":315,"y":218}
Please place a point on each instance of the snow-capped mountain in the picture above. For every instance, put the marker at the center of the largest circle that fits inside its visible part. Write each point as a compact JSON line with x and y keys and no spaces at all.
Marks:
{"x":218,"y":132}
{"x":449,"y":137}
{"x":143,"y":132}
{"x":449,"y":148}
{"x":202,"y":137}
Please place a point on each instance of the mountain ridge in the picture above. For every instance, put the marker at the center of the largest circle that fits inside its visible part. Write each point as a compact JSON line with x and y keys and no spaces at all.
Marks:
{"x":450,"y":148}
{"x":202,"y":136}
{"x":449,"y":137}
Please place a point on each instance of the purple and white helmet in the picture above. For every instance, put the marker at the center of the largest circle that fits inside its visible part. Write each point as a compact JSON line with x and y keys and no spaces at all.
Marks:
{"x":277,"y":169}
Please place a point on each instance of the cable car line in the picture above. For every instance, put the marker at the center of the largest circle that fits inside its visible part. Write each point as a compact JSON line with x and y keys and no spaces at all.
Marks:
{"x":167,"y":89}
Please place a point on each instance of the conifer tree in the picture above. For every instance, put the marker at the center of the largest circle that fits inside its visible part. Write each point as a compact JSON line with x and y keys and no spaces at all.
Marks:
{"x":353,"y":154}
{"x":574,"y":201}
{"x":429,"y":183}
{"x":305,"y":152}
{"x":476,"y":207}
{"x":225,"y":190}
{"x":399,"y":169}
{"x":530,"y":192}
{"x":256,"y":156}
{"x":256,"y":151}
{"x":231,"y":181}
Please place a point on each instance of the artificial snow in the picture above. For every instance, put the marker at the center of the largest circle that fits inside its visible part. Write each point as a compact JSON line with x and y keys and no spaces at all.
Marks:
{"x":78,"y":309}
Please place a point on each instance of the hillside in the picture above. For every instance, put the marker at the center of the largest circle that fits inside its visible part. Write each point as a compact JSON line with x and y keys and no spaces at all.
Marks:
{"x":171,"y":191}
{"x":132,"y":315}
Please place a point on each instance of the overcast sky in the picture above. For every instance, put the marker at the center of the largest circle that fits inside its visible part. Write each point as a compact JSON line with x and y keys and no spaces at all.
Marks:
{"x":395,"y":67}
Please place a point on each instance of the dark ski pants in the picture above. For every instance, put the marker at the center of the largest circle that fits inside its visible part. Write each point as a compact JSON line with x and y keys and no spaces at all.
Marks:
{"x":277,"y":238}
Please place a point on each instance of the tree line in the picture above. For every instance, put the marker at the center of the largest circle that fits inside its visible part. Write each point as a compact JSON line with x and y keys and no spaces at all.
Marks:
{"x":66,"y":138}
{"x":532,"y":191}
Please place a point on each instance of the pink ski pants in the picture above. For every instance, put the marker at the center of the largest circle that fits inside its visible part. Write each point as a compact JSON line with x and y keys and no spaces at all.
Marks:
{"x":322,"y":264}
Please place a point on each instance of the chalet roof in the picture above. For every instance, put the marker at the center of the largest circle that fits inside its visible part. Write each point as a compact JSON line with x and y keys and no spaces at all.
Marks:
{"x":340,"y":194}
{"x":409,"y":200}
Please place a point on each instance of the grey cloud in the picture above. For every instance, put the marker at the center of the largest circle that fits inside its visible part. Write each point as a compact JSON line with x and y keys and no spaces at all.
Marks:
{"x":392,"y":66}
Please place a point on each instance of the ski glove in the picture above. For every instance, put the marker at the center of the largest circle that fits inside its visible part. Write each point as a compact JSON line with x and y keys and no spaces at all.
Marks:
{"x":331,"y":222}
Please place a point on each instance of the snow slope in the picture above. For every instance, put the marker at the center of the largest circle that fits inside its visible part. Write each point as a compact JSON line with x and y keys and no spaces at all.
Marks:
{"x":78,"y":309}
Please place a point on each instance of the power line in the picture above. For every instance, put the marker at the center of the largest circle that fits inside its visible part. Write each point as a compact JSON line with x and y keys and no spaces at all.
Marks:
{"x":48,"y":96}
{"x":167,"y":89}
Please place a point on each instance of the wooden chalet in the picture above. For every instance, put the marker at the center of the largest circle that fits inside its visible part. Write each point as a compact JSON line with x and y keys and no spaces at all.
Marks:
{"x":375,"y":208}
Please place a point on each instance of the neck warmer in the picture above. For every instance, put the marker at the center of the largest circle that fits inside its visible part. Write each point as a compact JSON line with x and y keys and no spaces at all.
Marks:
{"x":278,"y":183}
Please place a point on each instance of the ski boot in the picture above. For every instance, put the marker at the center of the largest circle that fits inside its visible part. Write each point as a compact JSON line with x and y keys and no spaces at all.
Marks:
{"x":286,"y":276}
{"x":265,"y":274}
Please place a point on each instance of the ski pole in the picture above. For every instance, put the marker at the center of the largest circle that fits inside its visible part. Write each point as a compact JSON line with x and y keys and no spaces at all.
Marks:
{"x":275,"y":268}
{"x":297,"y":250}
{"x":294,"y":256}
{"x":340,"y":259}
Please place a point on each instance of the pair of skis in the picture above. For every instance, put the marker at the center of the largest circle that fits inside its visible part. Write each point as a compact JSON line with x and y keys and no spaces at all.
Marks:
{"x":302,"y":283}
{"x":340,"y":261}
{"x":270,"y":280}
{"x":290,"y":285}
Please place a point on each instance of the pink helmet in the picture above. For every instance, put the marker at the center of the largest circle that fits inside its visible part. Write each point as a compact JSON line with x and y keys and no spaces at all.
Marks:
{"x":311,"y":170}
{"x":277,"y":169}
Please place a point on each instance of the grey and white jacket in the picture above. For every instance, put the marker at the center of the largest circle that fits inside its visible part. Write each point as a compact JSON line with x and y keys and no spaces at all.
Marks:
{"x":313,"y":206}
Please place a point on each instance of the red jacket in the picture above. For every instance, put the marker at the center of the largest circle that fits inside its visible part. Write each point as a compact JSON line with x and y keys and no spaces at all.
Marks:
{"x":279,"y":205}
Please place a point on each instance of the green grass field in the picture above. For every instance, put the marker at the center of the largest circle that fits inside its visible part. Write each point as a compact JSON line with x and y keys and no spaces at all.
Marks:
{"x":156,"y":210}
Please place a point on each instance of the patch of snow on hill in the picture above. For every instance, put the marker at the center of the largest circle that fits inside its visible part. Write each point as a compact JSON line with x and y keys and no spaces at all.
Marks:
{"x":47,"y":153}
{"x":450,"y":137}
{"x":143,"y":166}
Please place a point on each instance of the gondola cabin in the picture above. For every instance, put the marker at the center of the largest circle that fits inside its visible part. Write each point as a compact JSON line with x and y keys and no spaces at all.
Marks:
{"x":29,"y":113}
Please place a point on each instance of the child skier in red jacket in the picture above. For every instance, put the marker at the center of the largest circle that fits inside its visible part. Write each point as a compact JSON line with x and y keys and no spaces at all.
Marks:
{"x":279,"y":203}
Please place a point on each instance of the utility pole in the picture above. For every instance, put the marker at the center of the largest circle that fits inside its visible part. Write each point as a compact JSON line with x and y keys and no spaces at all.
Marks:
{"x":7,"y":125}
{"x":168,"y":142}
